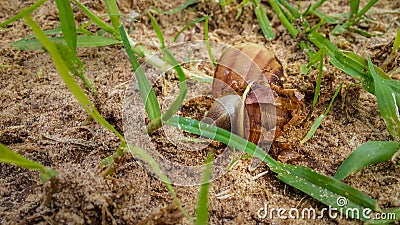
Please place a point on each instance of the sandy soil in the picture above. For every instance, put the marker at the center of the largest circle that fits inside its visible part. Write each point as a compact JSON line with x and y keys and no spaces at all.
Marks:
{"x":40,"y":119}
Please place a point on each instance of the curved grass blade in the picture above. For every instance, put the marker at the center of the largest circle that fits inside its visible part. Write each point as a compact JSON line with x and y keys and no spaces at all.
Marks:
{"x":67,"y":78}
{"x":180,"y":8}
{"x":30,"y":9}
{"x":291,"y":9}
{"x":67,"y":21}
{"x":319,"y":120}
{"x":388,"y":96}
{"x":366,"y":8}
{"x":100,"y":23}
{"x":312,"y":8}
{"x":9,"y":156}
{"x":146,"y":91}
{"x":202,"y":201}
{"x":325,"y":189}
{"x":369,"y":153}
{"x":187,"y":26}
{"x":177,"y":103}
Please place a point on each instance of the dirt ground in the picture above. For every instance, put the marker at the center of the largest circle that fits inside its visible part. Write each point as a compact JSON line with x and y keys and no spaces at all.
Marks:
{"x":40,"y":119}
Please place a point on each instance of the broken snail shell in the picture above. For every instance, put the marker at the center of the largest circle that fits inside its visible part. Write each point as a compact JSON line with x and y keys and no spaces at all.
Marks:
{"x":250,"y":99}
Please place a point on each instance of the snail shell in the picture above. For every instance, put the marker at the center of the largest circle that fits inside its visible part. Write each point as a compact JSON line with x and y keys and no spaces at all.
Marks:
{"x":250,"y":99}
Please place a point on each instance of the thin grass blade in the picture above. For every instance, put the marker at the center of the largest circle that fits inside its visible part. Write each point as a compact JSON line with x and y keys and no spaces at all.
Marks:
{"x":264,"y":22}
{"x":312,"y":8}
{"x":343,"y":62}
{"x":30,"y":9}
{"x":319,"y":120}
{"x":180,"y":8}
{"x":388,"y":96}
{"x":210,"y":54}
{"x":396,"y":43}
{"x":100,"y":23}
{"x":369,"y":153}
{"x":319,"y":78}
{"x":313,"y":129}
{"x":177,"y":103}
{"x":354,"y":5}
{"x":146,"y":91}
{"x":67,"y":20}
{"x":292,"y":31}
{"x":9,"y":156}
{"x":366,"y":8}
{"x":187,"y":26}
{"x":291,"y":9}
{"x":113,"y":12}
{"x":202,"y":201}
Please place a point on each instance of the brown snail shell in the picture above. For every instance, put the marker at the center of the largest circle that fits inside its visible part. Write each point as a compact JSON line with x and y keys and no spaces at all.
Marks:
{"x":261,"y":110}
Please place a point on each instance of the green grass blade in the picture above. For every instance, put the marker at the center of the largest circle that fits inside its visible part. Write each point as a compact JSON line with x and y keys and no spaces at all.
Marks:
{"x":113,"y":12}
{"x":91,"y":41}
{"x":369,"y":153}
{"x":313,"y":128}
{"x":208,"y":42}
{"x":343,"y":62}
{"x":67,"y":78}
{"x":388,"y":96}
{"x":396,"y":43}
{"x":333,"y":99}
{"x":318,"y":83}
{"x":354,"y":5}
{"x":146,"y":91}
{"x":180,"y":8}
{"x":177,"y":103}
{"x":366,"y":8}
{"x":30,"y":9}
{"x":100,"y":23}
{"x":319,"y":120}
{"x":202,"y":201}
{"x":291,"y":9}
{"x":9,"y":156}
{"x":67,"y":20}
{"x":263,"y":21}
{"x":157,"y":170}
{"x":325,"y":189}
{"x":188,"y":25}
{"x":292,"y":31}
{"x":312,"y":8}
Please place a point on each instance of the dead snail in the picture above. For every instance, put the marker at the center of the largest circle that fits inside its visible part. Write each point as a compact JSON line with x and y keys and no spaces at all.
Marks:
{"x":250,"y":98}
